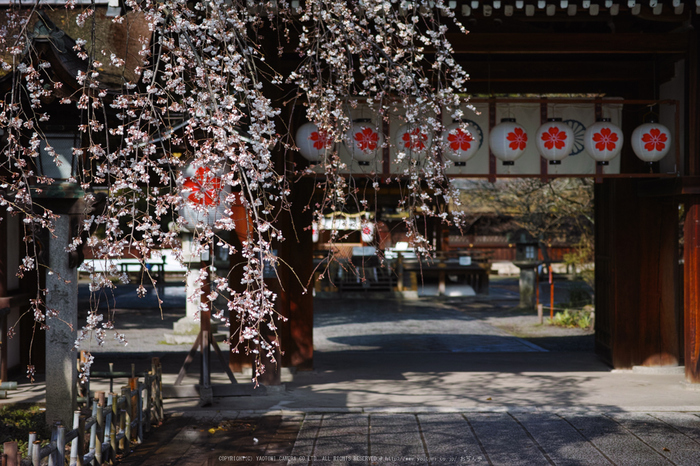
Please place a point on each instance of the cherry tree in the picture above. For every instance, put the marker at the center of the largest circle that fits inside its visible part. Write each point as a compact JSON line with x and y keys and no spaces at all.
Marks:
{"x":205,"y":97}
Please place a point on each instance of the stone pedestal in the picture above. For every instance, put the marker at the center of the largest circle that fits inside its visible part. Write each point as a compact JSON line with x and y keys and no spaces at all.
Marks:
{"x":186,"y":329}
{"x":61,"y":360}
{"x":527,"y":286}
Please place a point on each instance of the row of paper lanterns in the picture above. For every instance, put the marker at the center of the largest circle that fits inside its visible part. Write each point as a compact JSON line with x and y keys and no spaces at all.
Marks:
{"x":460,"y":141}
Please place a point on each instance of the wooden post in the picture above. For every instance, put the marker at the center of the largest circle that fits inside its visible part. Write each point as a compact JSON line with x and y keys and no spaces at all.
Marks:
{"x":74,"y":444}
{"x":35,"y":448}
{"x":114,"y":428}
{"x":11,"y":453}
{"x":691,"y":283}
{"x":80,"y":450}
{"x":100,"y":432}
{"x":93,"y":429}
{"x":57,"y":458}
{"x":139,"y":408}
{"x":126,"y":393}
{"x":149,"y":393}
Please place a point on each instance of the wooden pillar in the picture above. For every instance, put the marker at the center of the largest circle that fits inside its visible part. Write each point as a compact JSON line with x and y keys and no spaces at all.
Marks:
{"x":691,"y":284}
{"x":298,"y":343}
{"x":636,"y":272}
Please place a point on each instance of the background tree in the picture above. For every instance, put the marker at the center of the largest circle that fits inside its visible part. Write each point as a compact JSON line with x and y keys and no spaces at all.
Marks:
{"x":202,"y":91}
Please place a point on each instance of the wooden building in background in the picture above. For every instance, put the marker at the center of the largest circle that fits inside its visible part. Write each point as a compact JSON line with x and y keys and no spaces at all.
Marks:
{"x":643,"y":56}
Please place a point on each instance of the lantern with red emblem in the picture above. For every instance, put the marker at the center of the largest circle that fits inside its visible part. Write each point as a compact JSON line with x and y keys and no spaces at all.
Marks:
{"x":413,"y":140}
{"x":603,"y":141}
{"x":313,"y":143}
{"x":508,"y":141}
{"x":204,"y":195}
{"x":554,"y":140}
{"x":460,"y":142}
{"x":651,"y":141}
{"x":363,"y":141}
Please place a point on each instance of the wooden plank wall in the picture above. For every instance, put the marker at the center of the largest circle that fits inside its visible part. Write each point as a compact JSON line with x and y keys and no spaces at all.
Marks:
{"x":691,"y":252}
{"x":636,"y":271}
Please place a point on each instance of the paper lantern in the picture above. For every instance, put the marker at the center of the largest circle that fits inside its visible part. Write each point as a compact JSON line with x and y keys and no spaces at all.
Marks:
{"x":508,"y":141}
{"x":555,"y":140}
{"x":413,"y":140}
{"x":363,"y":141}
{"x":460,"y":142}
{"x":203,"y":197}
{"x":367,"y":232}
{"x":313,"y":143}
{"x":651,"y":141}
{"x":603,"y":141}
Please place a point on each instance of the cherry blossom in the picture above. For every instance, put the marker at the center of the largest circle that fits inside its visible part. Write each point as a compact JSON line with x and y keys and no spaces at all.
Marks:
{"x":414,"y":139}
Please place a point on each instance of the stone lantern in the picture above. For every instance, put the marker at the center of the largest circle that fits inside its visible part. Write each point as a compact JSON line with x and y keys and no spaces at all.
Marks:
{"x":527,"y":259}
{"x":64,"y":197}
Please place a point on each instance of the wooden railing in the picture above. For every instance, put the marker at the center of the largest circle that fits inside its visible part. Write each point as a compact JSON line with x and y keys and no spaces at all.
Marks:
{"x":117,"y":419}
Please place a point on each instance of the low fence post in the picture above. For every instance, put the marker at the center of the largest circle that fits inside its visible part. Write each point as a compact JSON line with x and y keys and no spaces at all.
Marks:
{"x":148,"y":382}
{"x":126,"y":393}
{"x":100,"y":431}
{"x":108,"y":428}
{"x":35,"y":448}
{"x":11,"y":456}
{"x":93,"y":429}
{"x":159,"y":394}
{"x":139,"y":408}
{"x":81,"y":440}
{"x":58,"y":435}
{"x":74,"y":444}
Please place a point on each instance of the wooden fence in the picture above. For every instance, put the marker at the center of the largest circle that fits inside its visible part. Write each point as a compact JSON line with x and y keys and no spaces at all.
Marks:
{"x":117,"y":419}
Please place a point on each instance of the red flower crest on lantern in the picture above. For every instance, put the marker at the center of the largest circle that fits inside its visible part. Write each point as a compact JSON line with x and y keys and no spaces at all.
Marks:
{"x":204,"y":186}
{"x":554,"y":137}
{"x":517,"y":138}
{"x":655,"y":140}
{"x":414,"y":139}
{"x":321,"y":139}
{"x":366,"y":139}
{"x":460,"y":140}
{"x":605,"y":140}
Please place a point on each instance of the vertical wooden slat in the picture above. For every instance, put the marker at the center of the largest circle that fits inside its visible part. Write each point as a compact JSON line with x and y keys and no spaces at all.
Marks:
{"x":492,"y":158}
{"x":544,"y":163}
{"x":691,"y":284}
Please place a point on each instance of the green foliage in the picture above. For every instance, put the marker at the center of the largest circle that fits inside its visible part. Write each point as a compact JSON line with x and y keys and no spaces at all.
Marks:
{"x":573,"y":318}
{"x":17,"y":420}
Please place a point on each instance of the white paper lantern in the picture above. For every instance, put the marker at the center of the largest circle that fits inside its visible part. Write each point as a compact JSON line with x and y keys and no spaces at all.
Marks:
{"x":363,"y":141}
{"x":554,"y":140}
{"x":508,"y":140}
{"x":651,"y":141}
{"x":313,"y":143}
{"x":460,"y":143}
{"x":204,"y":196}
{"x":413,"y":140}
{"x":603,"y":141}
{"x":367,"y":232}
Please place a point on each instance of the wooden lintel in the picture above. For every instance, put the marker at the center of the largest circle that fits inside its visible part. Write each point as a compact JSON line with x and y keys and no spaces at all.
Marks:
{"x":593,"y":43}
{"x":678,"y":186}
{"x":561,"y":70}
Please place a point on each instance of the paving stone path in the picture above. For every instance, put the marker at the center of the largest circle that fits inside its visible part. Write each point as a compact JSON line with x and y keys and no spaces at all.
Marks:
{"x":523,"y":437}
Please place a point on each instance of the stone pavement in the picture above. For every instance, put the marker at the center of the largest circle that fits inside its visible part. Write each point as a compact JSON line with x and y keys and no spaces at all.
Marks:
{"x":497,"y":437}
{"x":423,"y":382}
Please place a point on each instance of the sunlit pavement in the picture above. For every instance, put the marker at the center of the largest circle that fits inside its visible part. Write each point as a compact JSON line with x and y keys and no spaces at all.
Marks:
{"x":423,"y":382}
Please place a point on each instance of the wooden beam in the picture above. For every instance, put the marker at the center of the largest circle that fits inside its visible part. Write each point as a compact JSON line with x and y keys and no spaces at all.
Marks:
{"x":559,"y":70}
{"x":576,"y":43}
